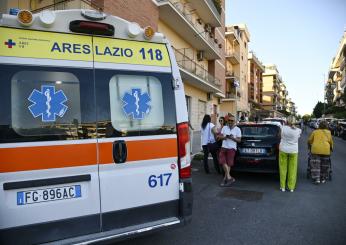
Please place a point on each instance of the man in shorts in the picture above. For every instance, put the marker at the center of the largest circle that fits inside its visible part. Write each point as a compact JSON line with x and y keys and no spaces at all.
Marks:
{"x":230,"y":136}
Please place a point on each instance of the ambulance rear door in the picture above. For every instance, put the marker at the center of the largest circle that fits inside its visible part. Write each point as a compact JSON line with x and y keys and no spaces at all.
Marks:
{"x":48,"y":147}
{"x":137,"y":139}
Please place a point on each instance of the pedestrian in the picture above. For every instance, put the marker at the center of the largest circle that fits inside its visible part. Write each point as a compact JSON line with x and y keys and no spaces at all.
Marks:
{"x":230,"y":136}
{"x":288,"y":155}
{"x":321,"y":144}
{"x":218,"y":131}
{"x":208,"y":132}
{"x":302,"y":125}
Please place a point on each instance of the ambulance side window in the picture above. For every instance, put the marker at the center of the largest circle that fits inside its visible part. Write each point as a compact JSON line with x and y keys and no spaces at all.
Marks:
{"x":46,"y":104}
{"x":136,"y":104}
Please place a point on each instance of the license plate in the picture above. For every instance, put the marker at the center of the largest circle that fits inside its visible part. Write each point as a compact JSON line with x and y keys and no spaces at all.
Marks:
{"x":254,"y":150}
{"x":49,"y":194}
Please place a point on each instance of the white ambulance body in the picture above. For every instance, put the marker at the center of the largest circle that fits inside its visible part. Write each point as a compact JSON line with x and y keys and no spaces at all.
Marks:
{"x":94,"y":139}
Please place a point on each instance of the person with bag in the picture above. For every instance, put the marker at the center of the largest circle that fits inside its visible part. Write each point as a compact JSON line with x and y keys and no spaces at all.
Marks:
{"x":230,"y":136}
{"x":321,"y":144}
{"x":209,"y":144}
{"x":288,"y":155}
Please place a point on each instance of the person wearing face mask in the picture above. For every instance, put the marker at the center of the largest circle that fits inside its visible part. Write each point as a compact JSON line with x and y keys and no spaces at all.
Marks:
{"x":230,"y":136}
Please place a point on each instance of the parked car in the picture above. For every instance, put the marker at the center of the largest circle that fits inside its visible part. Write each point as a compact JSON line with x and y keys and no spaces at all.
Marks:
{"x":342,"y":132}
{"x":275,"y":119}
{"x":259,"y":148}
{"x":335,"y":126}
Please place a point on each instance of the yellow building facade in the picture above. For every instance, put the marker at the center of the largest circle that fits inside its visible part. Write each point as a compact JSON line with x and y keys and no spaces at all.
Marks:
{"x":236,"y":64}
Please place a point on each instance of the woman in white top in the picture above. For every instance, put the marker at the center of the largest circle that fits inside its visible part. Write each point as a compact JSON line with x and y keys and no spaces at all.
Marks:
{"x":288,"y":155}
{"x":208,"y":132}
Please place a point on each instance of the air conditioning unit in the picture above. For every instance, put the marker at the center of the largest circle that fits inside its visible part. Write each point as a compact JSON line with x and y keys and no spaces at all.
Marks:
{"x":200,"y":55}
{"x":210,"y":96}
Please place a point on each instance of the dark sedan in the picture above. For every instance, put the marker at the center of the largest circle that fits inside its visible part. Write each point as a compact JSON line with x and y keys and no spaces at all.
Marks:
{"x":259,"y":148}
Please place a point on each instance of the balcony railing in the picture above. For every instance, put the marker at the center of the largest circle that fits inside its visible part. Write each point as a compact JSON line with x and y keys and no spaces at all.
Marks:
{"x":69,"y":4}
{"x":191,"y":66}
{"x":208,"y":10}
{"x":235,"y":32}
{"x":230,"y":95}
{"x":196,"y":24}
{"x":233,"y":56}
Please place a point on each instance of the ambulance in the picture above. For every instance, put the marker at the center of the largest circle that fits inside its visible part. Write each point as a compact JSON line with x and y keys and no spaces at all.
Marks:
{"x":94,"y":137}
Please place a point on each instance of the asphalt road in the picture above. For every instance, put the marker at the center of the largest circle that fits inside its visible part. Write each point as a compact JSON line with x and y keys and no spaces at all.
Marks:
{"x":254,"y":211}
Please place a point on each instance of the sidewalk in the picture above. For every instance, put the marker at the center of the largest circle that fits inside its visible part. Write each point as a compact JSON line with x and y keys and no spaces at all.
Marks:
{"x":196,"y":143}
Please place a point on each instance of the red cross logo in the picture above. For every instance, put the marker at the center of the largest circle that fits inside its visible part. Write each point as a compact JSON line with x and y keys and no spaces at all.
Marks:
{"x":10,"y":43}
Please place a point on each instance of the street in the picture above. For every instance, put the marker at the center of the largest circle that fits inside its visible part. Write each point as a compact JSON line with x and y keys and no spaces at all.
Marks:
{"x":254,"y":211}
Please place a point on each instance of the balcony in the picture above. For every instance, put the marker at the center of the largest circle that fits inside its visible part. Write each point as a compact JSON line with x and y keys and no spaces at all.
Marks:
{"x":207,"y":11}
{"x":231,"y":75}
{"x":195,"y":74}
{"x":70,"y":4}
{"x":200,"y":36}
{"x":230,"y":96}
{"x":232,"y":56}
{"x":235,"y":33}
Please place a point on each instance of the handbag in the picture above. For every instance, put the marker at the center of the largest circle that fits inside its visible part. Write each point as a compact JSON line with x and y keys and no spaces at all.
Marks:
{"x":212,"y":147}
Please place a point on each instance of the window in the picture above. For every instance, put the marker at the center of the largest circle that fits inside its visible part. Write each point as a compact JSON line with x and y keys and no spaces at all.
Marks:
{"x":134,"y":103}
{"x":42,"y":104}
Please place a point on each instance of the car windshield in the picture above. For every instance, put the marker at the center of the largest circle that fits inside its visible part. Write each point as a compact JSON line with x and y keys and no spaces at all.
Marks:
{"x":259,"y":131}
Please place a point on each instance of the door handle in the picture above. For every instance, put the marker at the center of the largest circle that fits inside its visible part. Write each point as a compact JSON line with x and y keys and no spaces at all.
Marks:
{"x":119,"y":151}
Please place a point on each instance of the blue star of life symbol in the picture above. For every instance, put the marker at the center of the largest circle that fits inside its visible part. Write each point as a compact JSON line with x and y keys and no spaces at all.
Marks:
{"x":47,"y":103}
{"x":136,"y":104}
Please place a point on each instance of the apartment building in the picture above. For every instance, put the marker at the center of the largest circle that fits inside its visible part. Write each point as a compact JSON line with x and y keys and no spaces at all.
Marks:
{"x":336,"y":83}
{"x":272,"y":97}
{"x":195,"y":29}
{"x":236,"y":87}
{"x":255,"y":84}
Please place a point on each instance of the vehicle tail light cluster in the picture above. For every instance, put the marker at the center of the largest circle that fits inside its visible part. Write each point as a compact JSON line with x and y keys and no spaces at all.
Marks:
{"x":184,"y":158}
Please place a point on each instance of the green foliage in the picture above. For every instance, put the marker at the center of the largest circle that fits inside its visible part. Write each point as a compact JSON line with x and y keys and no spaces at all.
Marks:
{"x":306,"y":117}
{"x":318,"y":110}
{"x":343,"y":96}
{"x":336,"y":111}
{"x":218,"y":5}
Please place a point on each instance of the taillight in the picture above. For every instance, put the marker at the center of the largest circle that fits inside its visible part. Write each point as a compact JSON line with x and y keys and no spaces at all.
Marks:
{"x":184,"y":158}
{"x":90,"y":27}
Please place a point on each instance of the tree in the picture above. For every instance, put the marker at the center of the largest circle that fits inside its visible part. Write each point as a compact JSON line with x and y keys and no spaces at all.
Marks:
{"x":343,"y":96}
{"x":319,"y":109}
{"x":306,"y":118}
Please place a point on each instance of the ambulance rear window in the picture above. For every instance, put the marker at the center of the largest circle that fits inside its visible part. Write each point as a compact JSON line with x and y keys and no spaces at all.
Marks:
{"x":134,"y":103}
{"x":44,"y":103}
